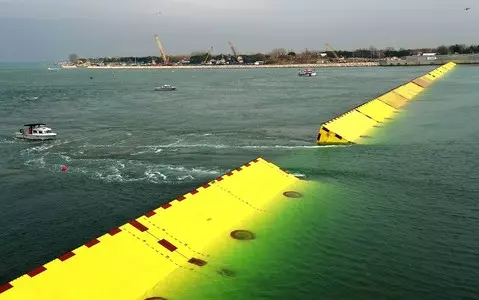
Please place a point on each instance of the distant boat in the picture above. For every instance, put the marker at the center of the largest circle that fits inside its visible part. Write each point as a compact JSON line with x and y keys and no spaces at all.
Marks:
{"x":37,"y":131}
{"x":165,"y":87}
{"x":307,"y":72}
{"x":53,"y":69}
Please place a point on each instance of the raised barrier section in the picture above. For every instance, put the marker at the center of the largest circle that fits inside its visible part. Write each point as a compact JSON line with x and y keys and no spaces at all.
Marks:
{"x":129,"y":260}
{"x":350,"y":127}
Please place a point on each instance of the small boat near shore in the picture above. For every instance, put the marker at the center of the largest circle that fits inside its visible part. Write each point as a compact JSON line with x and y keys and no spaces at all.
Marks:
{"x":165,"y":87}
{"x":37,"y":131}
{"x":307,"y":73}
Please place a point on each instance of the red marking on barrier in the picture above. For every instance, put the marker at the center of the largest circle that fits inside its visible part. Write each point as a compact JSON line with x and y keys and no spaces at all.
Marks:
{"x":181,"y":198}
{"x":247,"y":165}
{"x":138,"y":225}
{"x":66,"y":256}
{"x":150,"y":214}
{"x":114,"y":231}
{"x":92,"y":243}
{"x":229,"y":174}
{"x":166,"y":205}
{"x":5,"y":287}
{"x":219,"y":179}
{"x":194,"y":192}
{"x":255,"y":160}
{"x":37,"y":271}
{"x":167,"y":245}
{"x":206,"y":185}
{"x":197,"y":261}
{"x":238,"y":169}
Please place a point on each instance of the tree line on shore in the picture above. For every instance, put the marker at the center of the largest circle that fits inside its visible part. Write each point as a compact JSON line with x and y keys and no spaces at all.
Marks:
{"x":282,"y":56}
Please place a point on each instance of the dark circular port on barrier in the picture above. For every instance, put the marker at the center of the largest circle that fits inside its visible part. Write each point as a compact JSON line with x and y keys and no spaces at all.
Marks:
{"x":156,"y":298}
{"x":242,"y":235}
{"x":227,"y":272}
{"x":293,"y":194}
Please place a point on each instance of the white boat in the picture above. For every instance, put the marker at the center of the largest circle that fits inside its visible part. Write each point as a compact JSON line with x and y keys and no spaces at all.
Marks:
{"x":165,"y":87}
{"x":307,"y":72}
{"x":36,"y":131}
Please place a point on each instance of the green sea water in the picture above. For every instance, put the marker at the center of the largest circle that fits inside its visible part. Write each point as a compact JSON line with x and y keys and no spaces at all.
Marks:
{"x":395,"y":218}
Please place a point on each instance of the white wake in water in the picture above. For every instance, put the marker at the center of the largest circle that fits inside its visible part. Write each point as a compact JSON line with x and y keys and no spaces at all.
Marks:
{"x":120,"y":162}
{"x":118,"y":170}
{"x":225,"y":146}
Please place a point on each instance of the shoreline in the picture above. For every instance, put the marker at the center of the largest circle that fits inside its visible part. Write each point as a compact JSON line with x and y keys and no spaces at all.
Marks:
{"x":331,"y":65}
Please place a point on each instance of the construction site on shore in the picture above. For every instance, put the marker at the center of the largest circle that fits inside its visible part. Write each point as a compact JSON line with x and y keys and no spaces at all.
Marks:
{"x":278,"y":58}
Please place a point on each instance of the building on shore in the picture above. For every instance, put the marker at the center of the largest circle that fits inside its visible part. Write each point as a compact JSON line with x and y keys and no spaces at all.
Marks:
{"x":431,"y":59}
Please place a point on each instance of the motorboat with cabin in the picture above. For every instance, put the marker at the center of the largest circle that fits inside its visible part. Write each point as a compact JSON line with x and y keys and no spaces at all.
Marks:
{"x":307,"y":72}
{"x":165,"y":87}
{"x":37,"y":131}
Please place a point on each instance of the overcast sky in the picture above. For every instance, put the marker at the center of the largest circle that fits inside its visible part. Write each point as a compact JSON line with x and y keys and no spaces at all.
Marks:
{"x":48,"y":30}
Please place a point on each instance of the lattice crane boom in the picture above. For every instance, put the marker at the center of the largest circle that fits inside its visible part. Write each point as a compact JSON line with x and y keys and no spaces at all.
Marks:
{"x":163,"y":55}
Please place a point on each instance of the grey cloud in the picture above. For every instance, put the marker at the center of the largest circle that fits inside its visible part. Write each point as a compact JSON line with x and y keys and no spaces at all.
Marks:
{"x":51,"y":29}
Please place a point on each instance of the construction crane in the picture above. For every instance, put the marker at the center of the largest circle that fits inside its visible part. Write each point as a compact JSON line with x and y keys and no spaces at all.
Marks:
{"x":328,"y":46}
{"x":163,"y":55}
{"x":233,"y":49}
{"x":208,"y":55}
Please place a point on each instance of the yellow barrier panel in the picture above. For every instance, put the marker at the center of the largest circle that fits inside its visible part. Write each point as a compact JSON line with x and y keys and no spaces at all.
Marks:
{"x":414,"y":87}
{"x":358,"y":122}
{"x":130,"y":260}
{"x":404,"y":92}
{"x":422,"y":82}
{"x":439,"y":70}
{"x":393,"y":100}
{"x":377,"y":110}
{"x":443,"y":70}
{"x":449,"y":66}
{"x":410,"y":89}
{"x":341,"y":126}
{"x":325,"y":136}
{"x":429,"y":77}
{"x":436,"y":73}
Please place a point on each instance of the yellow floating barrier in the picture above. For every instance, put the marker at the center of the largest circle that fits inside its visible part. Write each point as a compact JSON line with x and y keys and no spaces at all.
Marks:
{"x":351,"y":126}
{"x":131,"y":259}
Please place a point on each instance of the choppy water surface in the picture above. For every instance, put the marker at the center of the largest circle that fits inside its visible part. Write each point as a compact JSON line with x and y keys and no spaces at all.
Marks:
{"x":399,"y":219}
